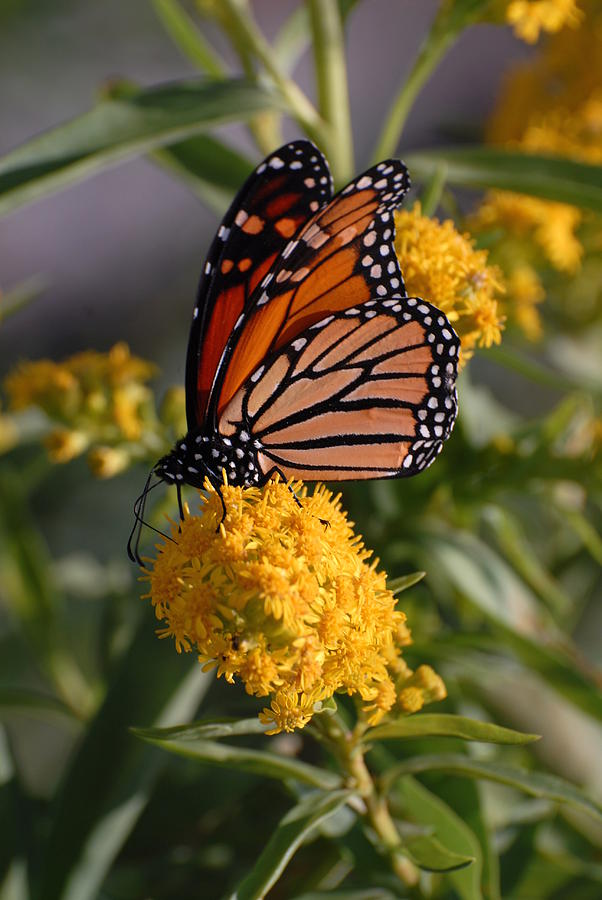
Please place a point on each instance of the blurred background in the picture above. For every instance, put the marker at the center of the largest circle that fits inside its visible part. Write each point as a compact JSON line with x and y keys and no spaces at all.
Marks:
{"x":506,"y":523}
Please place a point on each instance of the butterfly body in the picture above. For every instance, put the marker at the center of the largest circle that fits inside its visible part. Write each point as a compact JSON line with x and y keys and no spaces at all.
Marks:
{"x":306,"y":356}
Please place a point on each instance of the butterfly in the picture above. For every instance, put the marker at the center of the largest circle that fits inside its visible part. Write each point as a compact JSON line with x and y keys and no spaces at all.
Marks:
{"x":306,"y":356}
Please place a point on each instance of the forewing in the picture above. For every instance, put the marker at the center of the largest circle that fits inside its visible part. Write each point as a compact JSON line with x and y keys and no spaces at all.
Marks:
{"x":287,"y":189}
{"x":343,"y":257}
{"x":366,"y":393}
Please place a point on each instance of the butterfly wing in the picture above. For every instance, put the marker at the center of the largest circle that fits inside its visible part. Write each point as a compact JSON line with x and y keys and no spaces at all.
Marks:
{"x":341,"y":258}
{"x":283,"y":192}
{"x":368,"y":392}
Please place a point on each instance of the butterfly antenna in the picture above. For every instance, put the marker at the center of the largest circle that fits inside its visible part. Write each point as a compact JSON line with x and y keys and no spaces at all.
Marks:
{"x":136,"y":532}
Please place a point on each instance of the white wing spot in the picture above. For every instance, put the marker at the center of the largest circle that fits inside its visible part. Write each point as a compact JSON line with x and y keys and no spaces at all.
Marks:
{"x":276,"y":162}
{"x":241,"y":218}
{"x":370,"y":239}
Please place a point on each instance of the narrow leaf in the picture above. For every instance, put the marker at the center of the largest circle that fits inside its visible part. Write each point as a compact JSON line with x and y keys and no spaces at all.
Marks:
{"x":123,"y":126}
{"x":447,"y":725}
{"x":296,"y":826}
{"x":552,"y":178}
{"x":537,"y":784}
{"x":108,"y":782}
{"x":205,"y":729}
{"x":428,"y":853}
{"x":28,"y":700}
{"x":209,"y":167}
{"x":397,"y":585}
{"x":259,"y":762}
{"x":415,"y":802}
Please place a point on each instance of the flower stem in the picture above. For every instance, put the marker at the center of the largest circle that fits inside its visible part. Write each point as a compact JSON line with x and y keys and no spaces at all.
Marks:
{"x":453,"y":17}
{"x":236,"y":17}
{"x":431,"y":52}
{"x":346,"y":747}
{"x":331,"y":79}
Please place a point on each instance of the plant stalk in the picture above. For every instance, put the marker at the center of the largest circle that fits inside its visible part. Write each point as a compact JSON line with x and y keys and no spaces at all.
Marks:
{"x":332,"y":88}
{"x":346,"y":747}
{"x":244,"y":32}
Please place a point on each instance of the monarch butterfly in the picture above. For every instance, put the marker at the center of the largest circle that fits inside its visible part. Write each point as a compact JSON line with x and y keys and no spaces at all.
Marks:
{"x":306,"y":357}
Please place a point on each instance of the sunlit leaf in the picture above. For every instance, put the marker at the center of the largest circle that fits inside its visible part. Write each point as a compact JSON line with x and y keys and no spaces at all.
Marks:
{"x":397,"y":585}
{"x":259,"y":762}
{"x":447,"y":725}
{"x":537,"y":784}
{"x":428,"y":853}
{"x":296,"y":826}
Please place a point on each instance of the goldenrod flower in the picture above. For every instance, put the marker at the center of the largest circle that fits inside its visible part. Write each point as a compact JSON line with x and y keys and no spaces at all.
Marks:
{"x":525,"y":292}
{"x":443,"y":266}
{"x":284,"y":599}
{"x":530,"y":17}
{"x":551,"y":225}
{"x":551,"y":105}
{"x":94,"y":399}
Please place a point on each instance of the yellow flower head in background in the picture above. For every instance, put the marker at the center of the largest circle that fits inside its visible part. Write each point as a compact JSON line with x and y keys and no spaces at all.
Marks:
{"x":550,"y":105}
{"x":91,"y":398}
{"x":530,"y":17}
{"x":285,"y":599}
{"x":442,"y":265}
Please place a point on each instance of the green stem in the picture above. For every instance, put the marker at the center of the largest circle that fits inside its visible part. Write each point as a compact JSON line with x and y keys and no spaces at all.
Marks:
{"x":433,"y":49}
{"x":188,"y":39}
{"x":347,"y":748}
{"x":453,"y":17}
{"x":236,"y":18}
{"x":331,"y":79}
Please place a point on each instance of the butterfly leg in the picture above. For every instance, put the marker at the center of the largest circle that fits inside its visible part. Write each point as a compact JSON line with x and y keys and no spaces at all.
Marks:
{"x":276,"y":471}
{"x":218,"y":489}
{"x":180,"y":505}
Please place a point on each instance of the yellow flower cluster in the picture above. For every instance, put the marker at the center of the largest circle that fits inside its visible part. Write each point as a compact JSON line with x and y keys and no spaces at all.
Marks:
{"x":282,"y":597}
{"x":530,"y":17}
{"x":441,"y":265}
{"x":97,"y":400}
{"x":551,"y":105}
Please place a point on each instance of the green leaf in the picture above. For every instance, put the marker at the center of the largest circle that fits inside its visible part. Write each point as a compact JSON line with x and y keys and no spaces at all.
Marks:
{"x":537,"y":784}
{"x":295,"y":828}
{"x":447,"y":725}
{"x":123,"y":126}
{"x":107,"y":784}
{"x":28,"y":700}
{"x":552,"y":178}
{"x":428,"y":853}
{"x":421,"y":806}
{"x":369,"y":894}
{"x":493,"y":587}
{"x":209,"y":167}
{"x":397,"y":585}
{"x":16,"y":848}
{"x":205,"y":729}
{"x":259,"y":762}
{"x":21,"y":295}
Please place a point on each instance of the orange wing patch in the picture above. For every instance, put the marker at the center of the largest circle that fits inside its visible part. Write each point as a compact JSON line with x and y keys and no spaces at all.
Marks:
{"x":357,"y":396}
